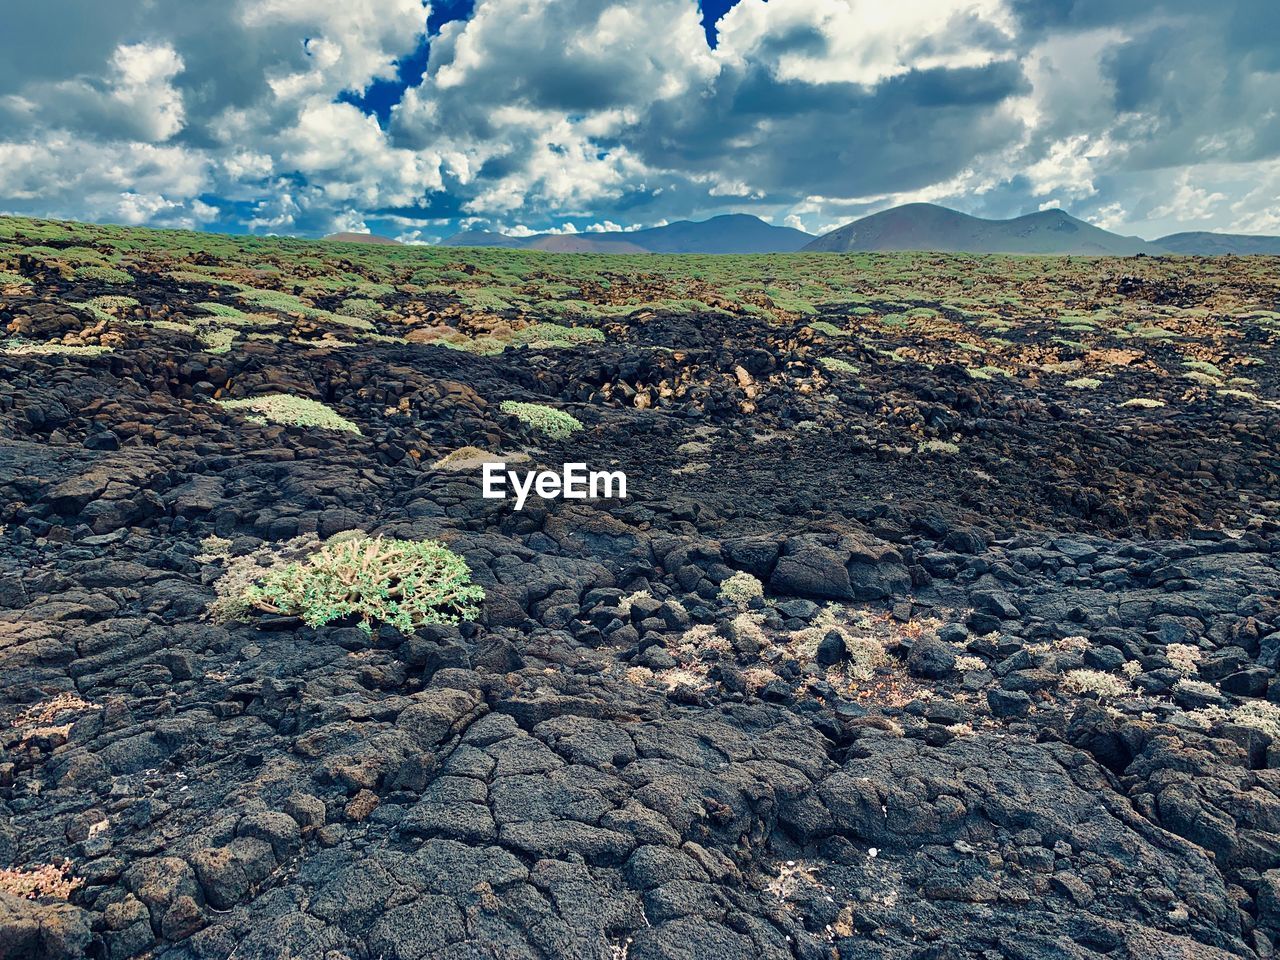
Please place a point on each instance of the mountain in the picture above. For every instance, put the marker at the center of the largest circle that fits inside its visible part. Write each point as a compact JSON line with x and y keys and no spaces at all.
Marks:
{"x":730,"y":233}
{"x":926,"y":226}
{"x":481,"y":238}
{"x":363,"y":238}
{"x":1202,"y":243}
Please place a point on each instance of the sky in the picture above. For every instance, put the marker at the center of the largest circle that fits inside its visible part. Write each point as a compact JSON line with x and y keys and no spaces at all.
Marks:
{"x":418,"y":119}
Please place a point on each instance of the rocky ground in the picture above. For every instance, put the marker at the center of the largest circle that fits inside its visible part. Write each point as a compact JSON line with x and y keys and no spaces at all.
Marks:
{"x":1008,"y":693}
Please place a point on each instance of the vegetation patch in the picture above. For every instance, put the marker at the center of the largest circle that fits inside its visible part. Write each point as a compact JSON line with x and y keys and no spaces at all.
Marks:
{"x":283,"y":408}
{"x":548,"y":421}
{"x":103,"y":275}
{"x":1102,"y":685}
{"x":555,"y":335}
{"x":55,"y":349}
{"x":741,"y":589}
{"x":836,"y":365}
{"x":404,"y":583}
{"x":939,"y":446}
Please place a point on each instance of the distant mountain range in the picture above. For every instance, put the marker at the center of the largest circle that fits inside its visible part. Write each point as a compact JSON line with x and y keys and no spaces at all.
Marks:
{"x":731,"y":233}
{"x":362,"y":238}
{"x":1205,"y":244}
{"x":925,"y":226}
{"x":913,"y":226}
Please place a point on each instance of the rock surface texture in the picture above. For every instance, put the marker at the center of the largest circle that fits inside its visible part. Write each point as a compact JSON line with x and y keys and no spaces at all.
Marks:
{"x":1011,"y":702}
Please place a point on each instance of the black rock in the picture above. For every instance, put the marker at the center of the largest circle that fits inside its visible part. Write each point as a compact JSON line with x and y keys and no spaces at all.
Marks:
{"x":831,"y":649}
{"x":1007,"y":704}
{"x":931,"y":658}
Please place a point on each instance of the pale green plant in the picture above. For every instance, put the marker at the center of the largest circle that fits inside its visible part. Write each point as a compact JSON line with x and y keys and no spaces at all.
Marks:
{"x":836,"y":365}
{"x":553,"y":423}
{"x":289,"y":410}
{"x":55,"y":349}
{"x":741,"y":589}
{"x":404,"y":583}
{"x":939,"y":446}
{"x":1104,"y":686}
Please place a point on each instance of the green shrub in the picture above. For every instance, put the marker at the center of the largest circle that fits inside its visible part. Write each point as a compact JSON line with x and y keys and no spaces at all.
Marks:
{"x":103,"y":275}
{"x":82,"y":256}
{"x":217,"y":341}
{"x":361,"y":309}
{"x":1102,"y":685}
{"x":222,"y":310}
{"x":290,"y":411}
{"x":8,"y":279}
{"x":1205,"y":367}
{"x":939,"y":446}
{"x":1238,"y":394}
{"x":53,"y":349}
{"x":404,"y":583}
{"x":1084,"y":383}
{"x":276,"y":300}
{"x":741,"y":588}
{"x":556,"y":335}
{"x":555,"y":424}
{"x":112,"y":302}
{"x":836,"y":365}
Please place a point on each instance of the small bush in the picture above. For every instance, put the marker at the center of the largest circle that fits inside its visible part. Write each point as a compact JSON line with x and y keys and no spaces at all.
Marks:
{"x":939,"y":446}
{"x":224,"y":310}
{"x":113,"y":302}
{"x":404,"y":583}
{"x":1084,"y":383}
{"x":836,"y":365}
{"x":1205,"y":367}
{"x":556,"y":335}
{"x":1102,"y":685}
{"x":741,"y":588}
{"x":1143,"y":403}
{"x":53,"y":349}
{"x":8,"y":279}
{"x":1238,"y":394}
{"x":1259,"y":715}
{"x":217,"y":341}
{"x":1183,"y":657}
{"x":624,"y":605}
{"x":553,"y":423}
{"x":291,"y":411}
{"x":103,"y":275}
{"x":361,"y":308}
{"x":1196,"y":689}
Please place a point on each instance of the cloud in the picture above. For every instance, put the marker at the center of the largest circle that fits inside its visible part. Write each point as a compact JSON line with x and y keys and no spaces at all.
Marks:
{"x":252,"y":115}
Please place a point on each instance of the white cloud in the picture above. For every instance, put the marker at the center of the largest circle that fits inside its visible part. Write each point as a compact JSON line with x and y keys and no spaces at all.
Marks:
{"x":61,"y":168}
{"x":615,"y":112}
{"x":1189,"y":202}
{"x":868,"y":41}
{"x":144,"y":87}
{"x":1068,"y":166}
